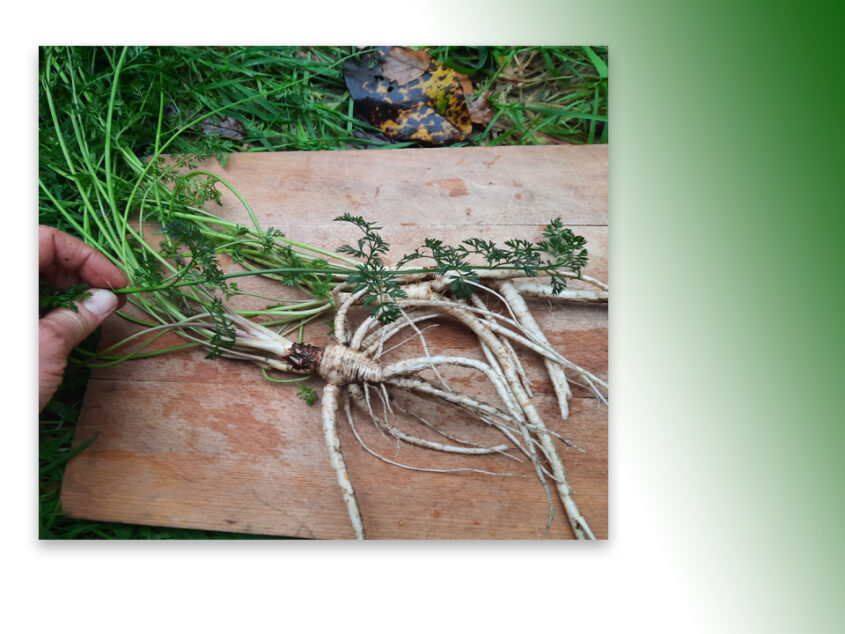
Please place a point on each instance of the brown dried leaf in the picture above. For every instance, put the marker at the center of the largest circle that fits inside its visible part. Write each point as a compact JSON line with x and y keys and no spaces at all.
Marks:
{"x":402,"y":65}
{"x":466,"y":84}
{"x":480,"y":111}
{"x":228,"y":128}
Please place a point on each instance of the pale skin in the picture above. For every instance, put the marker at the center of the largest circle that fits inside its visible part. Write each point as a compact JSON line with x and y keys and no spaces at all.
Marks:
{"x":62,"y":262}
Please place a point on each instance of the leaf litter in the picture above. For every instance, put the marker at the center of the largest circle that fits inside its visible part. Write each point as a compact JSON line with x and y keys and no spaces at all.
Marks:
{"x":227,"y":128}
{"x":409,"y":96}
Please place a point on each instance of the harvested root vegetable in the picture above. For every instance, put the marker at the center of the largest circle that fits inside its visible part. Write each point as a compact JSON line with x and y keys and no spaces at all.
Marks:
{"x":401,"y":302}
{"x":346,"y":367}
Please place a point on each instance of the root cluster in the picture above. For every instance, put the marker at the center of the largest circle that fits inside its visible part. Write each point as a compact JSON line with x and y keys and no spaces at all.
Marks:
{"x":356,"y":372}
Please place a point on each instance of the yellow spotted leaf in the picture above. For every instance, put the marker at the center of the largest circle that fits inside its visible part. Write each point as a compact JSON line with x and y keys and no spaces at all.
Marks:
{"x":393,"y":92}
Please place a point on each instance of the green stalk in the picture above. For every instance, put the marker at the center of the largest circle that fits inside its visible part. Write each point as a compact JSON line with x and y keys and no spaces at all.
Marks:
{"x":71,"y":168}
{"x":160,"y":150}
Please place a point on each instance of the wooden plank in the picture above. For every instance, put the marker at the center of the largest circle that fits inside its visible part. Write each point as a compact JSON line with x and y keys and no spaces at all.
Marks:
{"x":189,"y":442}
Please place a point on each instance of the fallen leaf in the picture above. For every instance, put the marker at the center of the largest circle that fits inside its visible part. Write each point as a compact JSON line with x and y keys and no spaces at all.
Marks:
{"x":403,"y":65}
{"x":419,"y":122}
{"x":228,"y":128}
{"x":430,"y":108}
{"x":466,"y":84}
{"x":480,"y":111}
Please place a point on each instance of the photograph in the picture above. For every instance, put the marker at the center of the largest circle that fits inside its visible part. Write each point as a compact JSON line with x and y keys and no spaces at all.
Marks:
{"x":323,"y":292}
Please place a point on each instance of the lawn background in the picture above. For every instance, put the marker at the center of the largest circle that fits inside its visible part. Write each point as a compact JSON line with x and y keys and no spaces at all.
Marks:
{"x":726,"y":470}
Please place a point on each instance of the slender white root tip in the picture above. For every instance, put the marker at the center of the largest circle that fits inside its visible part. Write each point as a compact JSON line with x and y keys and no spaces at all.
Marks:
{"x":526,"y":319}
{"x":336,"y":458}
{"x":533,"y":289}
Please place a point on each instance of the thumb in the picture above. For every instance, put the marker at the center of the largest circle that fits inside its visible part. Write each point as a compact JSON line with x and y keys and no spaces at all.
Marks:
{"x":61,"y":330}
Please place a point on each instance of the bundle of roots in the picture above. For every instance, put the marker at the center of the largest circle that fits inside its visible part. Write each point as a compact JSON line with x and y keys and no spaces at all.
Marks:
{"x":354,"y":368}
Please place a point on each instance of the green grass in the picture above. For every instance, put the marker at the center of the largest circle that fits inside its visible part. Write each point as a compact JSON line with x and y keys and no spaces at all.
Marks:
{"x":539,"y":95}
{"x":287,"y":98}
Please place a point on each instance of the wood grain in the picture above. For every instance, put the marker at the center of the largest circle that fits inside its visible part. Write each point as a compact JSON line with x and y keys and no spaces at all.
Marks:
{"x":188,"y":442}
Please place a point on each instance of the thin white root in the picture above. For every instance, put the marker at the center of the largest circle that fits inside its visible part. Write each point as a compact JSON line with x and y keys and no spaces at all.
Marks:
{"x":370,"y":409}
{"x":340,"y":334}
{"x":411,"y":366}
{"x":479,"y":303}
{"x":576,"y":520}
{"x":416,"y":384}
{"x":374,"y":343}
{"x":526,"y":382}
{"x":355,"y":393}
{"x":554,"y":368}
{"x":533,"y":289}
{"x":413,"y":325}
{"x":490,"y":415}
{"x":595,"y":390}
{"x":330,"y":397}
{"x":362,"y":331}
{"x":405,"y":466}
{"x":501,"y":274}
{"x":445,"y":434}
{"x":544,"y":350}
{"x":404,"y":341}
{"x":355,"y":365}
{"x":486,"y":412}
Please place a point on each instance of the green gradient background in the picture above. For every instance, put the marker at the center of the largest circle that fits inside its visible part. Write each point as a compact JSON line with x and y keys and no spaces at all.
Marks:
{"x":726,"y":147}
{"x":727,"y":232}
{"x":726,"y":162}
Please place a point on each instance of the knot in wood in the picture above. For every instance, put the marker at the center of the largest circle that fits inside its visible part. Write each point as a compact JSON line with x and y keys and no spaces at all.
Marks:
{"x":341,"y":365}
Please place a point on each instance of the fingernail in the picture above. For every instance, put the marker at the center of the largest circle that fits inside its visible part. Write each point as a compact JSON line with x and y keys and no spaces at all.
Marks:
{"x":101,"y":302}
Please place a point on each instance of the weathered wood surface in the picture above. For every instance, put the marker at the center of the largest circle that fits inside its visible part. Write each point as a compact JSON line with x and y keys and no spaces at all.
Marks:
{"x":188,"y":442}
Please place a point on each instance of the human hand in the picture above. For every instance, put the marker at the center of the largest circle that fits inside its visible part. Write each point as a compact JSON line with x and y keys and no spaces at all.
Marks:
{"x":62,"y":262}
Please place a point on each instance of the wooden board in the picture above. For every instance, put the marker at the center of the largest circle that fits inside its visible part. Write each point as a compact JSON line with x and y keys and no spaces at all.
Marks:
{"x":188,"y":442}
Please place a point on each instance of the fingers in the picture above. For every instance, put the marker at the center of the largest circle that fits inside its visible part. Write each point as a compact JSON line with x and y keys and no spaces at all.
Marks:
{"x":64,"y":261}
{"x":60,"y":331}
